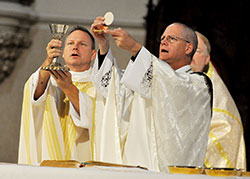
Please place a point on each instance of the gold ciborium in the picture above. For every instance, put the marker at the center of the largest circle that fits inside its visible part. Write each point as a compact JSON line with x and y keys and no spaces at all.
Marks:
{"x":58,"y":31}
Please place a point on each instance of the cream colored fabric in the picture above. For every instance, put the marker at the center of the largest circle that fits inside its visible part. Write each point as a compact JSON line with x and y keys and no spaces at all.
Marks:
{"x":170,"y":116}
{"x":47,"y":126}
{"x":113,"y":102}
{"x":151,"y":123}
{"x":226,"y":146}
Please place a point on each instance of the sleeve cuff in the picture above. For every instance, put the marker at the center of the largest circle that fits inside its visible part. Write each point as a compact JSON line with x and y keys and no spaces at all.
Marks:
{"x":86,"y":109}
{"x":136,"y":70}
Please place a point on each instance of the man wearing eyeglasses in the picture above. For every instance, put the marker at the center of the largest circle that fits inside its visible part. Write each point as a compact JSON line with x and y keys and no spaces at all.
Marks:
{"x":171,"y":108}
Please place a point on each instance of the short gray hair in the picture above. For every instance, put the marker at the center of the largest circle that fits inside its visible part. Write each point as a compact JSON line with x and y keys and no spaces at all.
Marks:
{"x":189,"y":35}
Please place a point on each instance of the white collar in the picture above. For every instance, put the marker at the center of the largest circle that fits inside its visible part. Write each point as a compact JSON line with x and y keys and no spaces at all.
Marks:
{"x":81,"y":76}
{"x":184,"y":69}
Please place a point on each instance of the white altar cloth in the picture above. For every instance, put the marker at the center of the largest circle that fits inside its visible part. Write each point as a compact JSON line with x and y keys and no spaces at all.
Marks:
{"x":15,"y":171}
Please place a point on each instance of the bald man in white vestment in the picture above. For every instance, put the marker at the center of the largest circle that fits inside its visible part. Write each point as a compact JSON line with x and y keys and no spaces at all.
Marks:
{"x":160,"y":110}
{"x":51,"y":128}
{"x":226,"y":144}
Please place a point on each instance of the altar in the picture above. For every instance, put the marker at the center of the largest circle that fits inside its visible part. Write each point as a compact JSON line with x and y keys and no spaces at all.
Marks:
{"x":15,"y":171}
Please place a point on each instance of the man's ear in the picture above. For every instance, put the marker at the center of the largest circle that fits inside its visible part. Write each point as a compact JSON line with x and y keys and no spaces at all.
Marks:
{"x":189,"y":48}
{"x":94,"y":52}
{"x":207,"y":59}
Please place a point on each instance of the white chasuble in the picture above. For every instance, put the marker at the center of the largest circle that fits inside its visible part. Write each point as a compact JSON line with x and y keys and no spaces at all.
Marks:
{"x":48,"y":128}
{"x":226,"y":145}
{"x":170,"y":115}
{"x":113,"y":104}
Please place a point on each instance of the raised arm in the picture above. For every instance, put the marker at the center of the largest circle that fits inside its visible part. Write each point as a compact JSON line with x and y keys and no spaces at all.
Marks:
{"x":101,"y":37}
{"x":52,"y":51}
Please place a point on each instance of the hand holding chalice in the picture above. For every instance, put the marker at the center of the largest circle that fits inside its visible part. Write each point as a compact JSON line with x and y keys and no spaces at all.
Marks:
{"x":58,"y":31}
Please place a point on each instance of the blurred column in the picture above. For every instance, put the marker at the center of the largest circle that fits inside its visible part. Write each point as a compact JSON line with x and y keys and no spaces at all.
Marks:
{"x":16,"y":19}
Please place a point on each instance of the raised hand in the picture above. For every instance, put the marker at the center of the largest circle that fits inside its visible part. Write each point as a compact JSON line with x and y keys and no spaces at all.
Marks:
{"x":100,"y":36}
{"x":53,"y":49}
{"x":64,"y":81}
{"x":124,"y":40}
{"x":62,"y":78}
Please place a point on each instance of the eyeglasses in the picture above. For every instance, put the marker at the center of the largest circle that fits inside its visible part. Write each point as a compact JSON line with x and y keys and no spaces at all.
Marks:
{"x":172,"y":39}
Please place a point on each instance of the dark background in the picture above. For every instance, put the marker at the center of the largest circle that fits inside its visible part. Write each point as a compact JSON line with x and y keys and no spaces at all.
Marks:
{"x":225,"y":24}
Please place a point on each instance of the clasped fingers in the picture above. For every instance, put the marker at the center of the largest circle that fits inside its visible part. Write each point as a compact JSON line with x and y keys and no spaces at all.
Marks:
{"x":54,"y":48}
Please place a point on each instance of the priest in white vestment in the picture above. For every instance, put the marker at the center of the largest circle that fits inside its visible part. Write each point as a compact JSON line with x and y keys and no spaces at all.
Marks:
{"x":226,"y":145}
{"x":169,"y":107}
{"x":50,"y":125}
